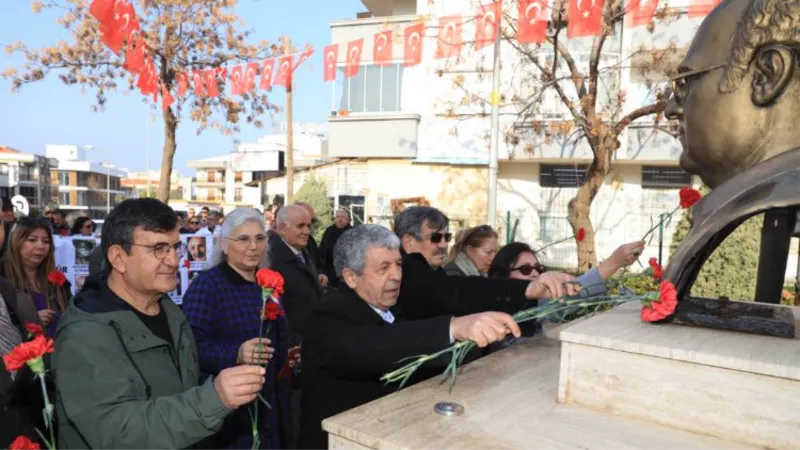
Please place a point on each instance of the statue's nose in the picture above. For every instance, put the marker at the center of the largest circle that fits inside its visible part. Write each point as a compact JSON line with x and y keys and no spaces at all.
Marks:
{"x":673,"y":111}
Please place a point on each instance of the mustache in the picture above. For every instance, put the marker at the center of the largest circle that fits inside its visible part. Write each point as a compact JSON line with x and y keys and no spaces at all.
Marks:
{"x":392,"y":286}
{"x":440,"y":251}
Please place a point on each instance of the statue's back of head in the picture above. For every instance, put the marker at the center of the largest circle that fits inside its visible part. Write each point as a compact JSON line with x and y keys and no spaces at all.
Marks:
{"x":737,"y":92}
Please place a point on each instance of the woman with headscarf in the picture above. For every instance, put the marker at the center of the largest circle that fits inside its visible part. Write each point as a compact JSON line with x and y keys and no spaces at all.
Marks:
{"x":223,"y":306}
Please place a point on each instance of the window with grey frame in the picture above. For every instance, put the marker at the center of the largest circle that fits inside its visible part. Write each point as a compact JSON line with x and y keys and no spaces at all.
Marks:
{"x":372,"y":89}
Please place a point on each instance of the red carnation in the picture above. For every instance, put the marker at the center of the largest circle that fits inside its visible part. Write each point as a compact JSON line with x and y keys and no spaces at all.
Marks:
{"x":689,"y":196}
{"x":23,"y":443}
{"x":56,"y":277}
{"x":29,"y":353}
{"x":271,"y":311}
{"x":664,"y":306}
{"x":269,"y":279}
{"x":34,"y":329}
{"x":186,"y":263}
{"x":658,"y":271}
{"x":580,"y":235}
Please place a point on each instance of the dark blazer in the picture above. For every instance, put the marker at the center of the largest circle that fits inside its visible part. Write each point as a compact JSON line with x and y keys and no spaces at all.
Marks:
{"x":326,"y":247}
{"x":301,"y":284}
{"x":425,"y":292}
{"x":347,"y":347}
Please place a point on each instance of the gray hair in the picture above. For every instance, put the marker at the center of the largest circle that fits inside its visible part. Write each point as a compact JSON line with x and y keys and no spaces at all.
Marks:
{"x":342,"y":210}
{"x":283,"y":214}
{"x":234,"y":220}
{"x":350,"y":251}
{"x":410,"y":221}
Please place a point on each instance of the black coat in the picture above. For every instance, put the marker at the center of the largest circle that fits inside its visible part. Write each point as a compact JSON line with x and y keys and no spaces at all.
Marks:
{"x":425,"y":292}
{"x":301,"y":284}
{"x":326,"y":246}
{"x":347,"y":347}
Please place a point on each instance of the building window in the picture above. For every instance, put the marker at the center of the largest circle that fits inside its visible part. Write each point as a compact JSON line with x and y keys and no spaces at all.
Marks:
{"x":660,"y":186}
{"x":237,"y":194}
{"x":373,"y":89}
{"x":63,"y":198}
{"x":3,"y":168}
{"x":354,"y":204}
{"x":63,"y":178}
{"x":562,"y":175}
{"x":82,"y":199}
{"x":238,"y":177}
{"x":211,"y":176}
{"x":212,"y":195}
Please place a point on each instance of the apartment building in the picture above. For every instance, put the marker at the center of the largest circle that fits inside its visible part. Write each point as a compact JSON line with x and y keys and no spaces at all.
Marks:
{"x":26,"y":174}
{"x":424,"y":130}
{"x":81,"y":185}
{"x":137,"y":184}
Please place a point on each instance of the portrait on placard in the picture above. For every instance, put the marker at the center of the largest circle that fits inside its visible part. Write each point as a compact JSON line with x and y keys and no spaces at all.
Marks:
{"x":83,"y":248}
{"x":196,"y":248}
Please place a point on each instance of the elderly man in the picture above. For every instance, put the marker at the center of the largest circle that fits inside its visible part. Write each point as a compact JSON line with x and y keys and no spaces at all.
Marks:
{"x":125,"y":363}
{"x":212,"y":221}
{"x":357,"y":334}
{"x":341,"y":223}
{"x":428,"y":291}
{"x":312,"y":247}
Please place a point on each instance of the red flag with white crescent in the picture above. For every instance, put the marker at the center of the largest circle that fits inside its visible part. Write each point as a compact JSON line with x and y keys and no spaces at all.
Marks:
{"x":353,"y":57}
{"x":250,"y":73}
{"x":585,"y":18}
{"x":134,"y":55}
{"x":102,"y":10}
{"x":412,"y":44}
{"x":198,"y":83}
{"x":487,"y":24}
{"x":382,"y":48}
{"x":284,"y":75}
{"x":183,"y":84}
{"x":120,"y":28}
{"x":532,"y":21}
{"x":267,"y":67}
{"x":450,"y":37}
{"x":640,"y":12}
{"x":212,"y":89}
{"x":237,"y":80}
{"x":306,"y":54}
{"x":701,"y":8}
{"x":331,"y":55}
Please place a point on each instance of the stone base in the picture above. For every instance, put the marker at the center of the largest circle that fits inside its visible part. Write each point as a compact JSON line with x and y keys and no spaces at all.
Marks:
{"x":736,"y":386}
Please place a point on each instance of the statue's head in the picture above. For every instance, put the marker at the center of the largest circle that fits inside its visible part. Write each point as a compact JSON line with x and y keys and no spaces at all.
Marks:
{"x":737,"y":92}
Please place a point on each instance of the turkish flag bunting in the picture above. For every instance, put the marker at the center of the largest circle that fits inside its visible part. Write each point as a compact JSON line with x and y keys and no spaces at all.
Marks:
{"x":166,"y":98}
{"x":134,"y":56}
{"x":212,"y":88}
{"x":450,"y":37}
{"x":148,"y":79}
{"x":307,"y":52}
{"x":701,"y":8}
{"x":382,"y":49}
{"x":250,"y":73}
{"x":237,"y":80}
{"x":183,"y":84}
{"x":532,"y":21}
{"x":331,"y":56}
{"x":486,"y":24}
{"x":412,"y":44}
{"x":120,"y":28}
{"x":585,"y":18}
{"x":198,"y":83}
{"x":267,"y":67}
{"x":353,"y":57}
{"x":102,"y":10}
{"x":640,"y":12}
{"x":284,"y":75}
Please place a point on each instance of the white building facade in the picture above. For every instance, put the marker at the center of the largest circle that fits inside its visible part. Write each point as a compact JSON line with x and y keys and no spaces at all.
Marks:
{"x":438,"y":114}
{"x":26,"y":175}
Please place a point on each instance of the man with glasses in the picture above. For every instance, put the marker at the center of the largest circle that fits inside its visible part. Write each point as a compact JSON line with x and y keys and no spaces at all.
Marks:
{"x":427,"y":290}
{"x":126,"y":367}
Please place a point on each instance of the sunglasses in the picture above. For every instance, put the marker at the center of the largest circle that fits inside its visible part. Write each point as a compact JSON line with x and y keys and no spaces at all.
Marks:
{"x":527,"y":269}
{"x":436,"y":238}
{"x":194,"y":222}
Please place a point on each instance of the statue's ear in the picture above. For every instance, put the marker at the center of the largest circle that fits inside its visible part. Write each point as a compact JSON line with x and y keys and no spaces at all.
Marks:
{"x":774,"y":66}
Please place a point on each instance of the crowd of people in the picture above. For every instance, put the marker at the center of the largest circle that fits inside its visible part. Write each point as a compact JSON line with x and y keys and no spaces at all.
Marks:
{"x":133,"y":369}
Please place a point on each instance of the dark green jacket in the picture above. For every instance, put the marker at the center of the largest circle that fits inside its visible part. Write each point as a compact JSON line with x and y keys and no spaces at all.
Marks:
{"x":120,"y":386}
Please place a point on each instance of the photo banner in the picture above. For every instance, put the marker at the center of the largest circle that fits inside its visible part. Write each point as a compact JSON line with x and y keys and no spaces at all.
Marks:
{"x":72,"y":258}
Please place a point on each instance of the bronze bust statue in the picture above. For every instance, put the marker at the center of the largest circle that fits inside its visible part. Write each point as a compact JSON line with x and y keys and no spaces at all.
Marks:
{"x":736,"y":96}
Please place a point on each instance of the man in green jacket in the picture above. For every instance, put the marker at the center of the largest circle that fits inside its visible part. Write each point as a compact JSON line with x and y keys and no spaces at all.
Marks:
{"x":125,"y":359}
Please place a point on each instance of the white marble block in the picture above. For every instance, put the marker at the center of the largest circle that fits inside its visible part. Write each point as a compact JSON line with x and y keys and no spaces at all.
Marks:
{"x":736,"y":386}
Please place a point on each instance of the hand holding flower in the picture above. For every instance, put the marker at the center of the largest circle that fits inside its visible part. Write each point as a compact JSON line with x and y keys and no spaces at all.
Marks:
{"x":255,"y":351}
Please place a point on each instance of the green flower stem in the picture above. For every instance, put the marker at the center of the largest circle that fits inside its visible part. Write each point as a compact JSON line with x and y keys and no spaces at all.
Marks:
{"x":48,"y":412}
{"x":663,"y":218}
{"x":265,"y":294}
{"x":459,"y":350}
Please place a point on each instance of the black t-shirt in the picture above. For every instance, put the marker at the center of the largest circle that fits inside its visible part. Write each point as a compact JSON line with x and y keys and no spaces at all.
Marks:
{"x":158,"y":324}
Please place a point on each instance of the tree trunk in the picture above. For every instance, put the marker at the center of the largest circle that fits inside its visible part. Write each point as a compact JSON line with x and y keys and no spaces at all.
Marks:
{"x":170,"y":126}
{"x":580,"y":206}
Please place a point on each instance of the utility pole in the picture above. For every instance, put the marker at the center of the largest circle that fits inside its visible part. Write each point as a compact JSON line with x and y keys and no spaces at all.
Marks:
{"x":287,"y":49}
{"x":495,"y":131}
{"x":147,"y":130}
